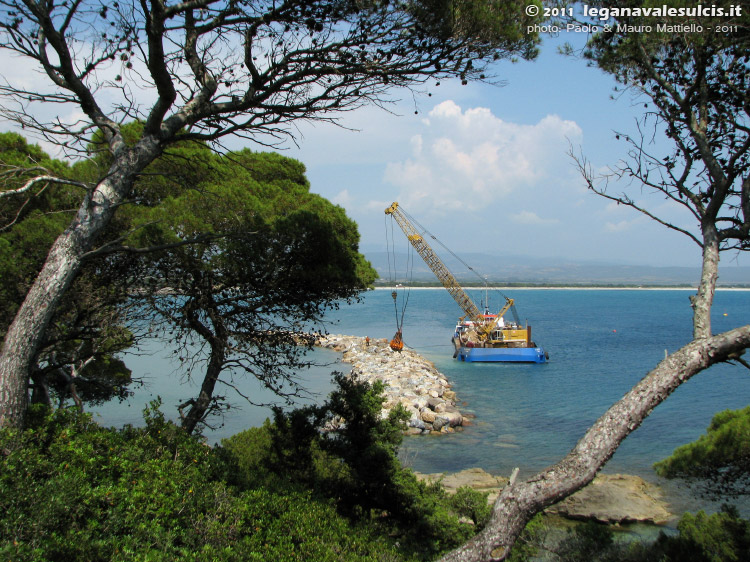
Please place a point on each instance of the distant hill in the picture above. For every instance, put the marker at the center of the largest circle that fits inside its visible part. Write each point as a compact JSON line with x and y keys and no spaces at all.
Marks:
{"x":545,"y":271}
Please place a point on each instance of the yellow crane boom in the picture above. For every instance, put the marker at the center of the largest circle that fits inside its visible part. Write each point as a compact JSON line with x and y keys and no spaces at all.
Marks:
{"x":436,"y":265}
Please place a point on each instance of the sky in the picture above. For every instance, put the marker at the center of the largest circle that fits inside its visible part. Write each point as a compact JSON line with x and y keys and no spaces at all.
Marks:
{"x":485,"y":168}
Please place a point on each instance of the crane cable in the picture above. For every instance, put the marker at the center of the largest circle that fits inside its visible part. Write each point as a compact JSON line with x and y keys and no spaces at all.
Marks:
{"x":409,"y":274}
{"x":424,"y":232}
{"x":397,"y":343}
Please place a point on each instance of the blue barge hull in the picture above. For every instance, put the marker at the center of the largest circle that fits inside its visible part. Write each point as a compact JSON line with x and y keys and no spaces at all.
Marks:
{"x":502,"y":354}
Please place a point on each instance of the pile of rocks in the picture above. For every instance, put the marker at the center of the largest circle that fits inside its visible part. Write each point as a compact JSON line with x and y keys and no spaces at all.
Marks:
{"x":409,"y":379}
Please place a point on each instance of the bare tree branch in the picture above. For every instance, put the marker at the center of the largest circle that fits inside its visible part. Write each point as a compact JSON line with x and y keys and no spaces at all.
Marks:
{"x":593,"y":183}
{"x":41,"y":179}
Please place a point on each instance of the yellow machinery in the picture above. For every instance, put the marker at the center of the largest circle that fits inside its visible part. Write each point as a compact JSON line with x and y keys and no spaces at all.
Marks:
{"x":486,"y":328}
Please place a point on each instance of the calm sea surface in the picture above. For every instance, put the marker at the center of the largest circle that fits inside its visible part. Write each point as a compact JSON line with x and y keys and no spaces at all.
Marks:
{"x":600,"y":343}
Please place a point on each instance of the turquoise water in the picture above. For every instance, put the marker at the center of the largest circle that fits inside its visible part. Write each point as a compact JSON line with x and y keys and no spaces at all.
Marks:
{"x":600,"y":343}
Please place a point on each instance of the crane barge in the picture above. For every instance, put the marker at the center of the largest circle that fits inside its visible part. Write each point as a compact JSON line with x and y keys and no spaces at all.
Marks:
{"x":478,"y":336}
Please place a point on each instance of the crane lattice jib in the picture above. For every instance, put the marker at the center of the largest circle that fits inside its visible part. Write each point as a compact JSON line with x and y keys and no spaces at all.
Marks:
{"x":435,"y":264}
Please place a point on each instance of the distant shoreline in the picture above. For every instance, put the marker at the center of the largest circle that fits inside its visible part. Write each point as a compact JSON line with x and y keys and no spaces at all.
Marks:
{"x":562,"y":288}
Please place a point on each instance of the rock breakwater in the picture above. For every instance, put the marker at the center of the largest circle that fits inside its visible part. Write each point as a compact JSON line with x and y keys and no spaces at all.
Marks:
{"x":409,"y":380}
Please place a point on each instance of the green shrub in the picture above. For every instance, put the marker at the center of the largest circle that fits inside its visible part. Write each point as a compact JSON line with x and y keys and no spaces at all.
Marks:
{"x":249,"y":451}
{"x":587,"y":541}
{"x":719,"y":460}
{"x":71,"y":490}
{"x":471,"y":504}
{"x":357,"y":467}
{"x":719,"y":537}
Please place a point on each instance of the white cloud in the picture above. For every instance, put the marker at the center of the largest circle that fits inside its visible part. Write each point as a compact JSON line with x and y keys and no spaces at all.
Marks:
{"x":343,"y":198}
{"x":417,"y":144}
{"x":471,"y":158}
{"x":531,"y":218}
{"x":618,"y":226}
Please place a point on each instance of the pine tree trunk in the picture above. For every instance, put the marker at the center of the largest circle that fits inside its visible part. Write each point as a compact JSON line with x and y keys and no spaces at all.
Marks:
{"x":703,"y":300}
{"x":218,"y":340}
{"x":63,"y":263}
{"x":200,"y":405}
{"x":27,"y":330}
{"x":519,"y":502}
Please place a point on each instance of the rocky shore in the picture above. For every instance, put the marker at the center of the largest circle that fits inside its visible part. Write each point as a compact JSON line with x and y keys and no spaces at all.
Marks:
{"x":610,"y":498}
{"x":409,"y":379}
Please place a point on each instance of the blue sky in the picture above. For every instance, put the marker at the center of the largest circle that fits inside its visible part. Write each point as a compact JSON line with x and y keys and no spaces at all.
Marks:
{"x":486,"y":169}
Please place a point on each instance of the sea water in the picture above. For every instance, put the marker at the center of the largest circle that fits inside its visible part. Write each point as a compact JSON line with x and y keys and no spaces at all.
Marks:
{"x":600,"y":343}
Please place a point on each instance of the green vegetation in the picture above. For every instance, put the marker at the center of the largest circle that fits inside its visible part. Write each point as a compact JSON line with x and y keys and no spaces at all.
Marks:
{"x":72,"y":490}
{"x":719,"y":461}
{"x":87,"y":330}
{"x":251,"y":260}
{"x":356,"y":467}
{"x":720,"y":537}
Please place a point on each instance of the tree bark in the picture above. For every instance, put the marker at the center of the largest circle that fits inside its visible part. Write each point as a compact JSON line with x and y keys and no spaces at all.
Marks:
{"x":63,"y":263}
{"x":519,"y":502}
{"x":27,"y":329}
{"x":218,"y":341}
{"x":200,"y":405}
{"x":704,"y":298}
